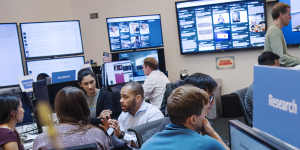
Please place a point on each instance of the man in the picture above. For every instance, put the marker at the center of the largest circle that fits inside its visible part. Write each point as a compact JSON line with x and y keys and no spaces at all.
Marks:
{"x":155,"y":83}
{"x":275,"y":41}
{"x":135,"y":111}
{"x":266,"y":58}
{"x":199,"y":80}
{"x":189,"y":129}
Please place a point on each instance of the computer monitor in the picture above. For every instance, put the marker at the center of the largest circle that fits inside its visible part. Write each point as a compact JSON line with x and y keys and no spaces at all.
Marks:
{"x":134,"y":32}
{"x":137,"y":61}
{"x":49,"y":66}
{"x":55,"y":38}
{"x":10,"y":59}
{"x":220,"y":25}
{"x":53,"y":89}
{"x":292,"y":31}
{"x":243,"y":137}
{"x":118,"y":72}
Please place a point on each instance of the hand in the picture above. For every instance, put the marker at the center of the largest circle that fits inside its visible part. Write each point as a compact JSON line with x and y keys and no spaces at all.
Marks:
{"x":105,"y":114}
{"x":115,"y":125}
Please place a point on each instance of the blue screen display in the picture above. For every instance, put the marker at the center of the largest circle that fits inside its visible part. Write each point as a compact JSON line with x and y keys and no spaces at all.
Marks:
{"x":214,"y":25}
{"x":292,"y":31}
{"x":134,"y":32}
{"x":137,"y":61}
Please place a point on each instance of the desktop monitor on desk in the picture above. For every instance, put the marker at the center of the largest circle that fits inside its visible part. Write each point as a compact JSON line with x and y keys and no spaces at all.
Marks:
{"x":243,"y":137}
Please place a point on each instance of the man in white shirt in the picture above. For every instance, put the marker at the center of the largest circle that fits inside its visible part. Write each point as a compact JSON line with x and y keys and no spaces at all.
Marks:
{"x":135,"y":111}
{"x":155,"y":83}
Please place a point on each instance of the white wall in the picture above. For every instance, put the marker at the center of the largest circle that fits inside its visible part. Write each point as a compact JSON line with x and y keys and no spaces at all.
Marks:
{"x":95,"y":39}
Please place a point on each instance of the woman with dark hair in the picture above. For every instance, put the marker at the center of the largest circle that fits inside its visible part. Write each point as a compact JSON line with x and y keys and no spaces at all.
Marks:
{"x":73,"y":129}
{"x":11,"y":113}
{"x":98,"y":99}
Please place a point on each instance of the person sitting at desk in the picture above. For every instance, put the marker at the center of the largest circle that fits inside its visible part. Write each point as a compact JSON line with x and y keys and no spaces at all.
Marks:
{"x":11,"y":113}
{"x":155,"y":83}
{"x":73,"y":129}
{"x":189,"y":129}
{"x":135,"y":111}
{"x":98,"y":99}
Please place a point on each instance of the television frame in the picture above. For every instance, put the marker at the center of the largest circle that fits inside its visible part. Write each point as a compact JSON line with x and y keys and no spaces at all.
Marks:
{"x":51,"y":59}
{"x":123,"y":50}
{"x":219,"y":50}
{"x":52,"y":56}
{"x":20,"y":49}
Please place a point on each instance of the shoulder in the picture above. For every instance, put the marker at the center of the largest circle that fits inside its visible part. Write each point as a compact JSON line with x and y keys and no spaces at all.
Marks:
{"x":7,"y":135}
{"x":153,"y":110}
{"x":208,"y":142}
{"x":96,"y":133}
{"x":273,"y":30}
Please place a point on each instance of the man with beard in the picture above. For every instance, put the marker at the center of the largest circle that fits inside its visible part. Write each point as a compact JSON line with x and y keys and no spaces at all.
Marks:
{"x":135,"y":111}
{"x":189,"y":129}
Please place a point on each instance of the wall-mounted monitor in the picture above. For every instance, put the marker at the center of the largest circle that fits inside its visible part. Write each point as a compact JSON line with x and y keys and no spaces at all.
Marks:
{"x":292,"y":31}
{"x":10,"y":58}
{"x":135,"y":32}
{"x":220,"y":25}
{"x":137,"y":60}
{"x":118,"y":72}
{"x":243,"y":137}
{"x":49,"y":66}
{"x":57,"y":38}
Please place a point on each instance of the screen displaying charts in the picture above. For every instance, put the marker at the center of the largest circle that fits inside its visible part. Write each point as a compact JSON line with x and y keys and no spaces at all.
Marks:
{"x":134,"y":32}
{"x":49,"y":66}
{"x":118,"y":72}
{"x":214,"y":25}
{"x":10,"y":58}
{"x":43,"y":39}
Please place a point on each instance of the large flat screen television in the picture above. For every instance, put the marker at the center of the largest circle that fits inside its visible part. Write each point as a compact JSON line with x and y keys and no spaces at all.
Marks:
{"x":10,"y":58}
{"x":137,"y":60}
{"x":220,"y":25}
{"x":57,"y":38}
{"x":49,"y":66}
{"x":135,"y":32}
{"x":292,"y":31}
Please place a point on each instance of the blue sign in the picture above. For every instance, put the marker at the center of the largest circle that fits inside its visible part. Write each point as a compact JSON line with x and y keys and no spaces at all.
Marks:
{"x":27,"y":84}
{"x":275,"y":102}
{"x":63,"y":76}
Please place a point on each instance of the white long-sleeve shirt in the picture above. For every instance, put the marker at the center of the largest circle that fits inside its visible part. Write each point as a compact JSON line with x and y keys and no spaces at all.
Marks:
{"x":155,"y":86}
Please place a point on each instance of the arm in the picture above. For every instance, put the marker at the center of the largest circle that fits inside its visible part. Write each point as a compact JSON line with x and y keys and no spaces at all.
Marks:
{"x":208,"y":129}
{"x":148,"y":87}
{"x":11,"y":146}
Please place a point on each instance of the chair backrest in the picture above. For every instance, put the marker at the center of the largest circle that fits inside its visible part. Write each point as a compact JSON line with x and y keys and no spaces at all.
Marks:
{"x":145,"y":131}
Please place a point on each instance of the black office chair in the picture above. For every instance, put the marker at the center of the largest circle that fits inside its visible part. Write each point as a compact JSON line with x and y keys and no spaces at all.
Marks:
{"x":146,"y":131}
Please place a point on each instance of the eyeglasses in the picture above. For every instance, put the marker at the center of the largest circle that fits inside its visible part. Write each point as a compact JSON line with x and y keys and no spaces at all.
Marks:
{"x":211,"y":99}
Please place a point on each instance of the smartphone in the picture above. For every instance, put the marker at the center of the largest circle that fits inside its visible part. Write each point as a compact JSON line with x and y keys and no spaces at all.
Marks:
{"x":110,"y":131}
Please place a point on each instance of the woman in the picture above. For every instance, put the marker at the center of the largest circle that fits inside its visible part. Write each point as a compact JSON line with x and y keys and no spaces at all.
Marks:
{"x":11,"y":113}
{"x":73,"y":129}
{"x":98,"y":100}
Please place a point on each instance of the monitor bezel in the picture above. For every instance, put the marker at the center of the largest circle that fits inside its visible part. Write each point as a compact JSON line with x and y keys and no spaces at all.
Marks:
{"x":51,"y":56}
{"x":20,"y":49}
{"x":129,"y":49}
{"x":45,"y":59}
{"x":260,"y":137}
{"x":219,"y":50}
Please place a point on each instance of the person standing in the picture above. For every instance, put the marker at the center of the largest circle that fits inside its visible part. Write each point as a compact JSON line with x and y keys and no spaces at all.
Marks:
{"x":275,"y":41}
